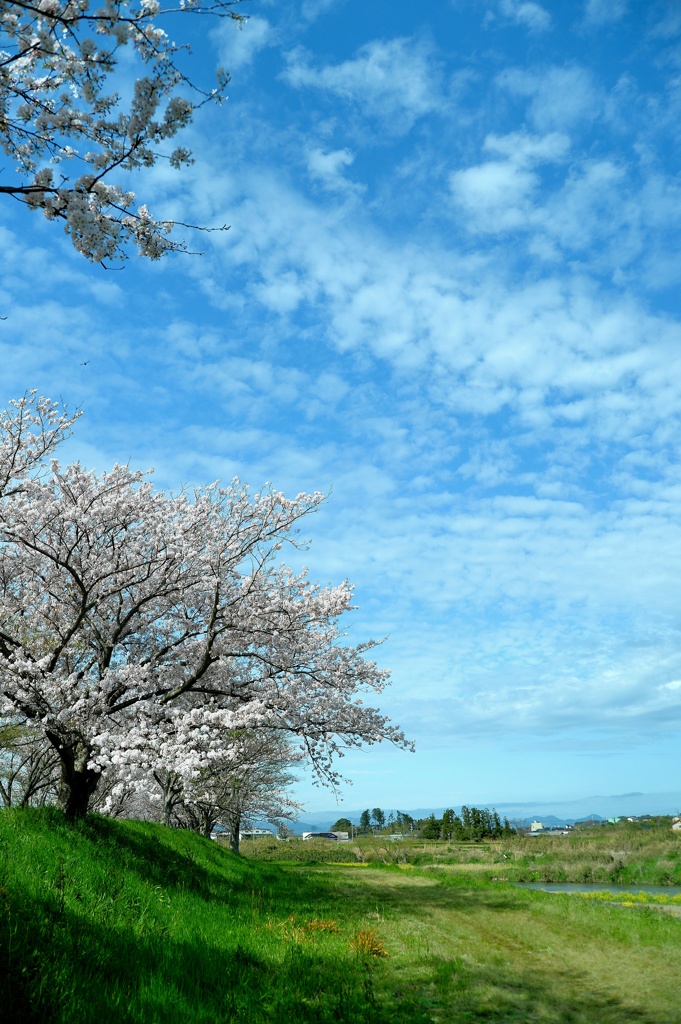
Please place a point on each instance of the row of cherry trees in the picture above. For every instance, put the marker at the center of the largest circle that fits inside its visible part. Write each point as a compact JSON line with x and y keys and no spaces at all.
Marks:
{"x":152,"y":635}
{"x":249,"y":783}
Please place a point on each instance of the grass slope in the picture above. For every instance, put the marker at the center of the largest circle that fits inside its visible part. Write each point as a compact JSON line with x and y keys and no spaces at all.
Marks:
{"x":129,"y":922}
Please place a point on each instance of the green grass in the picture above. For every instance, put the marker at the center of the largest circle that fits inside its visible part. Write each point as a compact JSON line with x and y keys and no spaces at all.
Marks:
{"x":623,"y":854}
{"x":127,"y":921}
{"x":486,"y":952}
{"x":114,"y":922}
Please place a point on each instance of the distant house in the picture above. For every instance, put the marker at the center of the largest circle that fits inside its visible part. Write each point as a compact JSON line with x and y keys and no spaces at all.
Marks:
{"x":537,"y":826}
{"x":220,"y":832}
{"x":676,"y":824}
{"x":255,"y":833}
{"x":322,"y":835}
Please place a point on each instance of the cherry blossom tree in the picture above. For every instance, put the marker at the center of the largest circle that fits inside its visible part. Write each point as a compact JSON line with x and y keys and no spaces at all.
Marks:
{"x":66,"y":127}
{"x":140,"y":629}
{"x":249,"y":781}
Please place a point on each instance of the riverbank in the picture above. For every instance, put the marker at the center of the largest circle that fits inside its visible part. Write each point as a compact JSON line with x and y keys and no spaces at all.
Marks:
{"x":132,"y":923}
{"x":623,"y":854}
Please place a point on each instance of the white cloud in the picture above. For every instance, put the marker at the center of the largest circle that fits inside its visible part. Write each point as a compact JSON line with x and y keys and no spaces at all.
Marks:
{"x":668,"y":24}
{"x":313,"y":9}
{"x":524,"y":148}
{"x":490,"y":464}
{"x":237,"y":48}
{"x":326,"y":167}
{"x":604,"y":12}
{"x":496,"y":195}
{"x":592,"y":204}
{"x":500,"y":195}
{"x":549,"y":352}
{"x":395,"y":80}
{"x":524,"y":12}
{"x":560,"y":97}
{"x":594,"y":208}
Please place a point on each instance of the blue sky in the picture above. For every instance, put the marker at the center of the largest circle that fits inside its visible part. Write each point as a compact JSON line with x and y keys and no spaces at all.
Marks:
{"x":450,"y":297}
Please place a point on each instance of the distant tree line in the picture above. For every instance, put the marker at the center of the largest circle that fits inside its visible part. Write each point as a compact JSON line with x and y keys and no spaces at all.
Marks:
{"x":372,"y":821}
{"x":472,"y":824}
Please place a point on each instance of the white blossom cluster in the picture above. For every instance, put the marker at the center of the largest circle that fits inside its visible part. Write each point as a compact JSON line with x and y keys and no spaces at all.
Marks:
{"x":143,"y":631}
{"x":248,"y":780}
{"x":65,"y":127}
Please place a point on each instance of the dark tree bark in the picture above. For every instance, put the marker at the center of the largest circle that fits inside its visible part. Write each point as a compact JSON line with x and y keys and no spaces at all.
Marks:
{"x":171,"y":788}
{"x":77,"y":782}
{"x":234,"y":819}
{"x":208,"y":821}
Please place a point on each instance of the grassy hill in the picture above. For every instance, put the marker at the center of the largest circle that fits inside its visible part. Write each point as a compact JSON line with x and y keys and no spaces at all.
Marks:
{"x":114,"y":922}
{"x":108,"y":922}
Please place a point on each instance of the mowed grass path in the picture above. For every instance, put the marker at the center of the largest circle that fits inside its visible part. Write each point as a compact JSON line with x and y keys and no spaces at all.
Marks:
{"x":107,"y":922}
{"x":481,"y":952}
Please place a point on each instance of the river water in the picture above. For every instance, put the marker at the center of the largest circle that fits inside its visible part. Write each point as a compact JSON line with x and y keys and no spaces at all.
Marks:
{"x":662,"y":890}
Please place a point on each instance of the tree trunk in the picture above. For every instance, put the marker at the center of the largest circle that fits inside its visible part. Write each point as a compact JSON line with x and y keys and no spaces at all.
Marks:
{"x":171,"y":798}
{"x":234,"y":827}
{"x":77,"y":782}
{"x":172,"y":791}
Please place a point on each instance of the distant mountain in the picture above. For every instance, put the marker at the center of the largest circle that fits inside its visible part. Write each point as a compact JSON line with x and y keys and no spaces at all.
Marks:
{"x":550,"y":820}
{"x":298,"y":827}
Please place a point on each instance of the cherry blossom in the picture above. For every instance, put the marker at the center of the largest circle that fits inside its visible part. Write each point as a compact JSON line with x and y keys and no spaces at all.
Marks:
{"x":248,"y":780}
{"x":66,"y":129}
{"x":140,"y":630}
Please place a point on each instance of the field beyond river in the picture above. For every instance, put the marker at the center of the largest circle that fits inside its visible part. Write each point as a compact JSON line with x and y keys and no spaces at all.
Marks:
{"x":119,"y":921}
{"x":624,"y":854}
